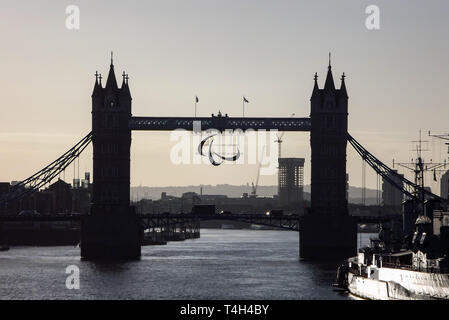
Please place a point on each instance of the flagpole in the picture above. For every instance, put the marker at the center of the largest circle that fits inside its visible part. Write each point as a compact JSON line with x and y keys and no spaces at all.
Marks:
{"x":196,"y":102}
{"x":243,"y":107}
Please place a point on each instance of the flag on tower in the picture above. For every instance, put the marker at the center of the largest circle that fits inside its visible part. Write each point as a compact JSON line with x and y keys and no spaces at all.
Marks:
{"x":245,"y":100}
{"x":196,"y":99}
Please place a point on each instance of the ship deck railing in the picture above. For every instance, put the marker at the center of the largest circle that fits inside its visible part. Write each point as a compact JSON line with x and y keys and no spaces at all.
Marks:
{"x":412,"y":268}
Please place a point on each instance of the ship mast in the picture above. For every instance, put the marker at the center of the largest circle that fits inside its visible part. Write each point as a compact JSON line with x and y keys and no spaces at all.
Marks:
{"x":419,"y":167}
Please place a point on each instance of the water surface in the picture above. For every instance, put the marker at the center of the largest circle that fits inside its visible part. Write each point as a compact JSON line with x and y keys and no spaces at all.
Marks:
{"x":222,"y":264}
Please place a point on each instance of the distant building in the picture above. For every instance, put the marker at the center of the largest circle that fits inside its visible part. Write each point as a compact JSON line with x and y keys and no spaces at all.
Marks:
{"x":291,"y":180}
{"x":43,"y":202}
{"x":62,"y":196}
{"x":391,"y":196}
{"x":81,"y":194}
{"x":4,"y":187}
{"x":444,"y":185}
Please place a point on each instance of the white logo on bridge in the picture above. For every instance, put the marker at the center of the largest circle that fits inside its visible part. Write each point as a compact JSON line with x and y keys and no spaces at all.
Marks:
{"x":228,"y":147}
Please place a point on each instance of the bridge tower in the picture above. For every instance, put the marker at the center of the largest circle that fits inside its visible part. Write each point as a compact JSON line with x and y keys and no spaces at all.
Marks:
{"x":112,"y":230}
{"x":327,"y":231}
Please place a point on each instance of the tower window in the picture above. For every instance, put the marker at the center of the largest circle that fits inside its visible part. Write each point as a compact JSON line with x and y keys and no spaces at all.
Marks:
{"x":109,"y":102}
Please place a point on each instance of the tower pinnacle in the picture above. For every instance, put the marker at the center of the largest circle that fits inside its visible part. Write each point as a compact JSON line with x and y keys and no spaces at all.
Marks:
{"x":343,"y":91}
{"x":111,"y":82}
{"x":316,"y":89}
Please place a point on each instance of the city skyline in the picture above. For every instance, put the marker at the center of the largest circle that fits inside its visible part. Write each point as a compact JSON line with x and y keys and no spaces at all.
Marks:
{"x":391,"y":74}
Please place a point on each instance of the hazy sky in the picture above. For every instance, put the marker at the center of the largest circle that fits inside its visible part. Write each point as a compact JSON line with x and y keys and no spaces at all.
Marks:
{"x":397,"y":77}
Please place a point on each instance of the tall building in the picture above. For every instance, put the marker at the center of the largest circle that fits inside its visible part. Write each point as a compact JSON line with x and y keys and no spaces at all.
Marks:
{"x":112,"y":230}
{"x":328,"y":139}
{"x":328,"y":231}
{"x":111,"y":140}
{"x":291,"y":180}
{"x":444,"y":185}
{"x":391,"y":196}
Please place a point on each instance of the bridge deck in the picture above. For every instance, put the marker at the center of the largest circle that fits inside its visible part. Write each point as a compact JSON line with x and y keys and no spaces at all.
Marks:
{"x":219,"y":123}
{"x":287,"y":222}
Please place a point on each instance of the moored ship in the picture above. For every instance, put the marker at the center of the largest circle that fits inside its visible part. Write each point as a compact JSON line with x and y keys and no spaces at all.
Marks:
{"x":417,"y":270}
{"x":408,"y":260}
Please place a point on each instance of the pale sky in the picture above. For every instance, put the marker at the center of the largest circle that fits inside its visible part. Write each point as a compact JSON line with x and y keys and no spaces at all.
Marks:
{"x":397,"y":77}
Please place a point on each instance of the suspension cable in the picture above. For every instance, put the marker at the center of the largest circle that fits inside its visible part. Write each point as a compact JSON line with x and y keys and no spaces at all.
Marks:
{"x":45,"y":175}
{"x":396,"y":180}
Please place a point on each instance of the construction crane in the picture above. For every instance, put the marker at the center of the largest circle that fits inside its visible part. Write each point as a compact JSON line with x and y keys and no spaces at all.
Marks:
{"x":254,"y":187}
{"x":279,"y":140}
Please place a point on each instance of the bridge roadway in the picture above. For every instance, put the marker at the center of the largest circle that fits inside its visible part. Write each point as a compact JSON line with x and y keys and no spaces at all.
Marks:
{"x":286,"y":222}
{"x":220,"y":123}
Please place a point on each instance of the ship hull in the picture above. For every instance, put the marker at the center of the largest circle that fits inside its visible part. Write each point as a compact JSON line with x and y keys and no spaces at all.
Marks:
{"x":399,"y":284}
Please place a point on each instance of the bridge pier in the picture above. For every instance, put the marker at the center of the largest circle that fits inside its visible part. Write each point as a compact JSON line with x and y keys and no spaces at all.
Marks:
{"x":111,"y":236}
{"x":327,"y":238}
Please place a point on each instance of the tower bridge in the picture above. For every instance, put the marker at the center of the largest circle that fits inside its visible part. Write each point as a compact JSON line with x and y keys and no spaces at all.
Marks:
{"x":113,"y":230}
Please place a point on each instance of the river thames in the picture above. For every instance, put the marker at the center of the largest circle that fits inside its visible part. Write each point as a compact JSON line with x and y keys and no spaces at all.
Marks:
{"x":222,"y":264}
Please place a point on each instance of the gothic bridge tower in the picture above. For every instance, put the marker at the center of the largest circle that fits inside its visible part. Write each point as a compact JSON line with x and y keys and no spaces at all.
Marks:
{"x":327,"y":231}
{"x":112,"y":228}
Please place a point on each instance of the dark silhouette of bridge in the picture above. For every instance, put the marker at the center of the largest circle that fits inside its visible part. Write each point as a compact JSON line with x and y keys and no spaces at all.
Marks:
{"x":113,"y":229}
{"x":291,"y":222}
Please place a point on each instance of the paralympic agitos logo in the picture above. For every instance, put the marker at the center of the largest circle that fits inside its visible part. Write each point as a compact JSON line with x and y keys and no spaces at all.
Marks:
{"x":215,"y":158}
{"x":218,"y":147}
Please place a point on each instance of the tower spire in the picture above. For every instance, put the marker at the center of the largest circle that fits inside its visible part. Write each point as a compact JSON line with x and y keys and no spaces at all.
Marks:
{"x":329,"y":84}
{"x":111,"y":82}
{"x":330,"y":60}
